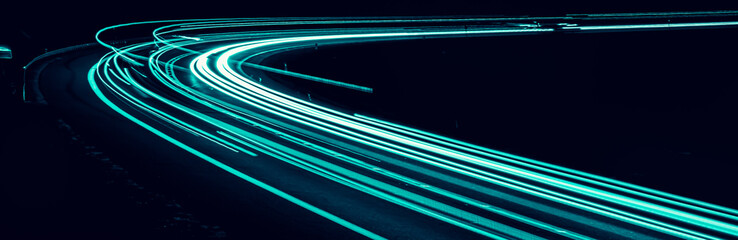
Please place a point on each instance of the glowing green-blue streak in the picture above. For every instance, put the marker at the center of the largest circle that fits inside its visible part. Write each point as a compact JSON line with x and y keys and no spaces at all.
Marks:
{"x":227,"y":168}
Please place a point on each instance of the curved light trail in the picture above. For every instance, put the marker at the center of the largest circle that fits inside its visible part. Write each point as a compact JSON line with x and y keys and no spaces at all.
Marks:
{"x":199,"y":84}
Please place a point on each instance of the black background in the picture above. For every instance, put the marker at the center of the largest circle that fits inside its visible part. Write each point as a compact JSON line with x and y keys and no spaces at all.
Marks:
{"x":32,"y":27}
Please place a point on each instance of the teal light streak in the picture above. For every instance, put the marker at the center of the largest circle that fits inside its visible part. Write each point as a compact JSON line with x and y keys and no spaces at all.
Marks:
{"x":554,"y":169}
{"x":551,"y":181}
{"x":227,"y":168}
{"x":558,"y":183}
{"x":5,"y":53}
{"x":301,"y":163}
{"x":551,"y":195}
{"x":655,"y":26}
{"x":311,"y":78}
{"x":395,"y":191}
{"x":188,"y":38}
{"x":656,"y":227}
{"x":559,"y":230}
{"x":450,"y":155}
{"x":360,"y":187}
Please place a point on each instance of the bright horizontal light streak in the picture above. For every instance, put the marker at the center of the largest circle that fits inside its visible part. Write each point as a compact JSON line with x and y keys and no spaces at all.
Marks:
{"x":655,"y":26}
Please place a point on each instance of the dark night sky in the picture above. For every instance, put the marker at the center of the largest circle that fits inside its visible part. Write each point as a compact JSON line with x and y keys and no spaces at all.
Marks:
{"x":61,"y":23}
{"x":31,"y":27}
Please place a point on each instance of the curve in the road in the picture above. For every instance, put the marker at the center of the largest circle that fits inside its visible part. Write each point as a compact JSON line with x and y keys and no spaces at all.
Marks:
{"x":198,"y":85}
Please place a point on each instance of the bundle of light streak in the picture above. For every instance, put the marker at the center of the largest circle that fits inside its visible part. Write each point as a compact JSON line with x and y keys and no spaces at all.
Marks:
{"x":200,"y":85}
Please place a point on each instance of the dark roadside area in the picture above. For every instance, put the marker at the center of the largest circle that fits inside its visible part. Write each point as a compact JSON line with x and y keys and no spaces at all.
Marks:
{"x":55,"y":184}
{"x":77,"y":170}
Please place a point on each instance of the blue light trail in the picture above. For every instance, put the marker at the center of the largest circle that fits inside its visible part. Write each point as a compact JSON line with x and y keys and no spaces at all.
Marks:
{"x":201,"y":78}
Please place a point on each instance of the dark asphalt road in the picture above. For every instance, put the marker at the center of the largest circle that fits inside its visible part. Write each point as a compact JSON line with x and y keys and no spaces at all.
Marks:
{"x":211,"y":194}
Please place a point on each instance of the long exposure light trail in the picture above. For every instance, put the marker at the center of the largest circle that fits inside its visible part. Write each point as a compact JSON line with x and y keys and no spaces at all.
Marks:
{"x":198,"y":84}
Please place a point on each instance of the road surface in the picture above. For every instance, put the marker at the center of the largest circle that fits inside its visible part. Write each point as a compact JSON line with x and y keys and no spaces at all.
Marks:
{"x":197,"y":96}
